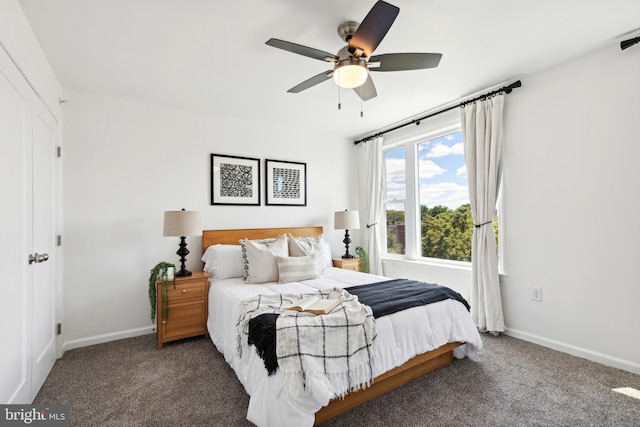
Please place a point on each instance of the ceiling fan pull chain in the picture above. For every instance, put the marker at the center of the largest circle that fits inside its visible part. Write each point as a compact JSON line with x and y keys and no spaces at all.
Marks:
{"x":339,"y":104}
{"x":361,"y":112}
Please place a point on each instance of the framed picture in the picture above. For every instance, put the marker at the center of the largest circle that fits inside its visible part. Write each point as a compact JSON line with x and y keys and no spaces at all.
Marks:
{"x":235,"y":180}
{"x":286,"y":183}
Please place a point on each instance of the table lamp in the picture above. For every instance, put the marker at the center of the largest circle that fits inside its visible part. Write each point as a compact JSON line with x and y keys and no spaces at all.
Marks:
{"x":182,"y":224}
{"x":346,"y":220}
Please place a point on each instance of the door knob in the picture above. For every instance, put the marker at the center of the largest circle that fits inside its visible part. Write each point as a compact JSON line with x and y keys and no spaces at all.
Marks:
{"x":38,"y":258}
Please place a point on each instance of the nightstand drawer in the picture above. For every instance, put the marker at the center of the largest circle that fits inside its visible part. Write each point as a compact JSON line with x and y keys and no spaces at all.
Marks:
{"x":185,"y":320}
{"x":352,"y":264}
{"x":185,"y":291}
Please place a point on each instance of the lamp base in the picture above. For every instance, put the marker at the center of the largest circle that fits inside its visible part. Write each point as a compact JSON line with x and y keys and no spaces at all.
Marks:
{"x":183,"y":252}
{"x":346,"y":242}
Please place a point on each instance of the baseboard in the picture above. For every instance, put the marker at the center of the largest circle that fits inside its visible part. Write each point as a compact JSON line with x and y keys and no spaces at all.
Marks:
{"x":99,"y":339}
{"x":594,"y":356}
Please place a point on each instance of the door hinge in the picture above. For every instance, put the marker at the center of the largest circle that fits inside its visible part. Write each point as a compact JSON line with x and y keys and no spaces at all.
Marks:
{"x":59,"y":151}
{"x":59,"y":328}
{"x":59,"y":239}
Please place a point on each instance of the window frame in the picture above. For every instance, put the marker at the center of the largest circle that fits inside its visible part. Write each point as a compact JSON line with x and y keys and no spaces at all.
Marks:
{"x":432,"y":128}
{"x":386,"y":203}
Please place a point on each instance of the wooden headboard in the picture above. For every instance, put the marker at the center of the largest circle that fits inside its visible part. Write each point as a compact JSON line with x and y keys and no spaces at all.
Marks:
{"x":232,"y":237}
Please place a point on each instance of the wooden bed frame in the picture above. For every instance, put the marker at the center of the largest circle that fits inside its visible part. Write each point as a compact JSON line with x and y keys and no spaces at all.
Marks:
{"x":412,"y":369}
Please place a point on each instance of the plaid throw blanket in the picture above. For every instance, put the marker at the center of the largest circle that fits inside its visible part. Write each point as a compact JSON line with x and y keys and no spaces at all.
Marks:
{"x":339,"y":346}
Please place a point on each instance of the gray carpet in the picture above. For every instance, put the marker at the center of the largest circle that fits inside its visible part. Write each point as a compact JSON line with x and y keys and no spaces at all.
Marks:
{"x":514,"y":383}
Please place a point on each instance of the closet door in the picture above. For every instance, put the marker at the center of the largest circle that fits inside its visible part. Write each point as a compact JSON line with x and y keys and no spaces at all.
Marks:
{"x":44,"y":336}
{"x":28,"y":137}
{"x":15,"y":229}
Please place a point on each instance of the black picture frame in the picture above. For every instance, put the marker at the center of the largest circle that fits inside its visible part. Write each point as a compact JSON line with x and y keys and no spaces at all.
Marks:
{"x":235,"y":180}
{"x":285,"y":183}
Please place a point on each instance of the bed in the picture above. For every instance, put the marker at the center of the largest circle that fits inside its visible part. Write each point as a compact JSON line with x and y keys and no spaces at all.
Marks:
{"x":402,"y":353}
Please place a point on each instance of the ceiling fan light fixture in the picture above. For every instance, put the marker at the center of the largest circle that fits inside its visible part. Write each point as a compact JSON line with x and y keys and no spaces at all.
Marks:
{"x":350,"y":73}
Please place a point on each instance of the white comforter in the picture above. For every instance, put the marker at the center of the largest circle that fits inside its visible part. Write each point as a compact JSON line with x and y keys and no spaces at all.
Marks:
{"x":401,"y":336}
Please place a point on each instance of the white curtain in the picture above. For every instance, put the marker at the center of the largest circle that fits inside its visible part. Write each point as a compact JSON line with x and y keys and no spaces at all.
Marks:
{"x":482,"y":130}
{"x":371,"y":185}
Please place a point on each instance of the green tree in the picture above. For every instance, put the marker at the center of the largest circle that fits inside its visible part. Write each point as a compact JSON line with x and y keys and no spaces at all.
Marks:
{"x":447,"y":233}
{"x":394,"y":244}
{"x":395,"y":217}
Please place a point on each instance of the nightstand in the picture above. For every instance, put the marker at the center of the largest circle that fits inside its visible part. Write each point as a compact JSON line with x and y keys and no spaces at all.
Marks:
{"x":352,"y":264}
{"x":188,"y":308}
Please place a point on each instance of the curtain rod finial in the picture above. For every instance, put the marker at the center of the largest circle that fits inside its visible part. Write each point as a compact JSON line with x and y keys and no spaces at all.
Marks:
{"x":512,"y":86}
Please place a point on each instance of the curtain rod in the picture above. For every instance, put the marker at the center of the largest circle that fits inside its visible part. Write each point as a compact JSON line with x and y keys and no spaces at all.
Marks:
{"x":506,"y":89}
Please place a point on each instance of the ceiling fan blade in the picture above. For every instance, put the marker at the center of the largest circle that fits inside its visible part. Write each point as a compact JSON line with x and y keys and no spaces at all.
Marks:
{"x":367,"y":90}
{"x":373,"y":28}
{"x":312,"y":82}
{"x":405,"y":61}
{"x":302,"y":50}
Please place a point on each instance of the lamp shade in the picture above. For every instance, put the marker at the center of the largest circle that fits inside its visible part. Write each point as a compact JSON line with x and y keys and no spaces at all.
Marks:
{"x":346,"y":220}
{"x":182,"y":223}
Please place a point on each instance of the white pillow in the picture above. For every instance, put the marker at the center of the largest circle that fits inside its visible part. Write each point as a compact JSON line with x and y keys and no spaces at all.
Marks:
{"x":295,"y":269}
{"x":223,"y":261}
{"x":260,"y":264}
{"x":326,"y":255}
{"x":311,"y":246}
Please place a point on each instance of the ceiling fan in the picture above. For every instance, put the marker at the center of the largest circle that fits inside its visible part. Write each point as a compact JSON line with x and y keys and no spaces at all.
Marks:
{"x":353,"y":62}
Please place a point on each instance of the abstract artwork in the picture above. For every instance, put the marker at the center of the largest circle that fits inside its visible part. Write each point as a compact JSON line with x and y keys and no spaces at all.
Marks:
{"x":286,"y":183}
{"x":235,"y":180}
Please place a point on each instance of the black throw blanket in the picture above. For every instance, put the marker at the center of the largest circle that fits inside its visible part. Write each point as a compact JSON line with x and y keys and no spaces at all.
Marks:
{"x":396,"y":295}
{"x":384,"y":298}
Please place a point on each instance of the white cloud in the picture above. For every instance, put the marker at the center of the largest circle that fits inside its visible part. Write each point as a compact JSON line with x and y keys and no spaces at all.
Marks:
{"x":429,"y":169}
{"x":439,"y":150}
{"x":445,"y":193}
{"x":462,"y":172}
{"x":424,"y":146}
{"x":396,"y":178}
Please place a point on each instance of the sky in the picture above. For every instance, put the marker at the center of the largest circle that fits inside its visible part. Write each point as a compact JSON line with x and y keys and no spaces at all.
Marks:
{"x":443,"y":175}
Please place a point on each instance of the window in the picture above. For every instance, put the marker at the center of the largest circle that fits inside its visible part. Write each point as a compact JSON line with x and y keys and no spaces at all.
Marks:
{"x":395,"y":198}
{"x":426,"y":198}
{"x":446,"y":223}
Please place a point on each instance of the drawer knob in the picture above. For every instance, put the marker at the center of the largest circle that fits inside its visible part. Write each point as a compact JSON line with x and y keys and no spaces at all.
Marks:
{"x":184,"y":291}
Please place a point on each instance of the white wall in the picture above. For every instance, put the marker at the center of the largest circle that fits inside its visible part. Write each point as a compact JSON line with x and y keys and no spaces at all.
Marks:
{"x":572,"y":207}
{"x":125,"y":163}
{"x":571,"y":210}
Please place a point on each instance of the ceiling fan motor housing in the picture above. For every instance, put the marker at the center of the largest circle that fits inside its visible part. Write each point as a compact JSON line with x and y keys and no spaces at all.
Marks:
{"x":346,"y":30}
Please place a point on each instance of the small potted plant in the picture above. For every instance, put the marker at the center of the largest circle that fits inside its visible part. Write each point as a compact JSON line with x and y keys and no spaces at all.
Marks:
{"x":364,"y":259}
{"x":164,"y":272}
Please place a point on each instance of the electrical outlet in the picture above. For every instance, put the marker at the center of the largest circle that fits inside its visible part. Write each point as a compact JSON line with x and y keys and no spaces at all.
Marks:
{"x":536,"y":294}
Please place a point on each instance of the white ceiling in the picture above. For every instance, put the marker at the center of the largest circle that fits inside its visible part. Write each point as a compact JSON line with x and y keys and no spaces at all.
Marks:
{"x":210,"y":56}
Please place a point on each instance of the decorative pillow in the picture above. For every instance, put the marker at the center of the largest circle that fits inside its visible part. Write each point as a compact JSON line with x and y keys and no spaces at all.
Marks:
{"x":314,"y":246}
{"x":245,"y":266}
{"x":259,"y":256}
{"x":295,"y":269}
{"x":223,"y":261}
